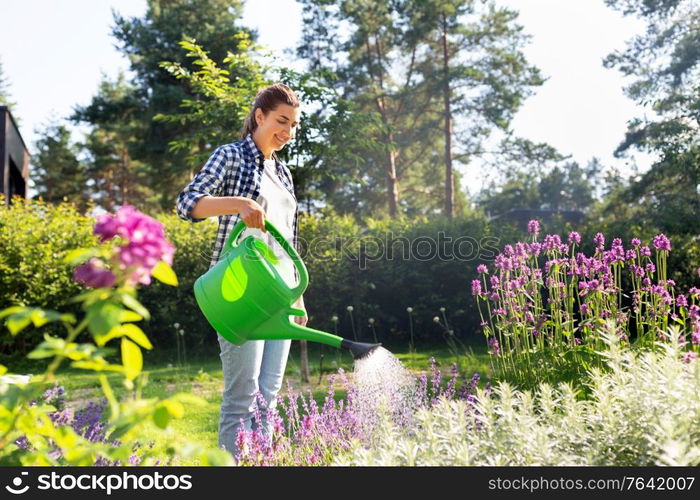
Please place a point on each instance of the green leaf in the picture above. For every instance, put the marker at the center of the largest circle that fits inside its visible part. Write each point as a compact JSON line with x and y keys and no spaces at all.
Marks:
{"x":161,"y":417}
{"x":102,"y":316}
{"x":137,"y":335}
{"x":18,"y":322}
{"x":132,"y":303}
{"x":165,"y":274}
{"x":131,"y":359}
{"x":128,"y":316}
{"x":11,"y":310}
{"x":80,"y":255}
{"x":97,"y":365}
{"x":175,"y":408}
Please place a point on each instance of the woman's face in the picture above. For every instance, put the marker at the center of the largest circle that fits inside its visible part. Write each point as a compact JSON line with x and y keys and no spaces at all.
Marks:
{"x":276,"y":128}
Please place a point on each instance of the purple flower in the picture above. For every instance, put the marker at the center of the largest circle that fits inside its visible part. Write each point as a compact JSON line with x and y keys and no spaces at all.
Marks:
{"x":495,"y":347}
{"x":661,"y":242}
{"x":482,"y":269}
{"x":682,"y":301}
{"x":145,"y":243}
{"x":533,"y":227}
{"x":599,"y":240}
{"x":689,"y":356}
{"x":636,"y":242}
{"x":94,"y":274}
{"x":476,"y":288}
{"x":645,"y":251}
{"x":574,"y":237}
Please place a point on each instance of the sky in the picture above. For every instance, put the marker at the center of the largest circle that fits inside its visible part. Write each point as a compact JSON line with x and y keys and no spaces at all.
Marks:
{"x":54,"y":53}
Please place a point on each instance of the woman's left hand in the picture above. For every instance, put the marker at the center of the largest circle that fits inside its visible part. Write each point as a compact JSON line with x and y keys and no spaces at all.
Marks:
{"x":301,"y":320}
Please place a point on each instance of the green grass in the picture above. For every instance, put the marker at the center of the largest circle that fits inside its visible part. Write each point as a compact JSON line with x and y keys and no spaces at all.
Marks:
{"x":203,"y":377}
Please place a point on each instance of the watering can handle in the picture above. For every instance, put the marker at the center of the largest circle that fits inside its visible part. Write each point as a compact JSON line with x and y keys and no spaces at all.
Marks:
{"x":232,"y":240}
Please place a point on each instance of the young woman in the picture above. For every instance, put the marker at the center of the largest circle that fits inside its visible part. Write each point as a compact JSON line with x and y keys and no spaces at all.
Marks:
{"x":246,"y":181}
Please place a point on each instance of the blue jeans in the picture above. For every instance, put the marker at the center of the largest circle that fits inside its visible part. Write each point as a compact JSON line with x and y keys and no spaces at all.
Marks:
{"x":255,"y":366}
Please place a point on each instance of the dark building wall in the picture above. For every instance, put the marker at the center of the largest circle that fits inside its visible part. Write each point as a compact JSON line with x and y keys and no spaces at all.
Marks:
{"x":15,"y":158}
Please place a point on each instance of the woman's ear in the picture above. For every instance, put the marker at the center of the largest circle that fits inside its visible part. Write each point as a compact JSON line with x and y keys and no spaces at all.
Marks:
{"x":259,"y":116}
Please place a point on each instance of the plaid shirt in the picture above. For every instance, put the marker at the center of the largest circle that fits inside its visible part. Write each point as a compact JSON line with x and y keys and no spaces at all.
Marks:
{"x":232,"y":170}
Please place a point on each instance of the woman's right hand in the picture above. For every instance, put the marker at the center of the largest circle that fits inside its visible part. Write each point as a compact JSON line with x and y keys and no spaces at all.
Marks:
{"x":252,"y":213}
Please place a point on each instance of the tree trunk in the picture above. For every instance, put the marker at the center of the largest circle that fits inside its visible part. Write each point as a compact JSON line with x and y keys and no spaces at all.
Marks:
{"x":391,"y":180}
{"x":304,"y":360}
{"x":449,"y":183}
{"x":392,"y":184}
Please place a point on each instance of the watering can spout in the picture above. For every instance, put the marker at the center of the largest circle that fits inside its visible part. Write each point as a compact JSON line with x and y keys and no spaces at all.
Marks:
{"x":358,"y":349}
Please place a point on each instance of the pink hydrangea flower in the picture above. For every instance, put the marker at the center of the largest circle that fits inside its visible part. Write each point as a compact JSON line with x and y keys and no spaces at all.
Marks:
{"x":94,"y":274}
{"x":144,"y":242}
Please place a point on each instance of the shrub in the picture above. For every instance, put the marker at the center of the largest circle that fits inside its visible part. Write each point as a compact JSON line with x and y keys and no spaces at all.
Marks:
{"x":34,"y":239}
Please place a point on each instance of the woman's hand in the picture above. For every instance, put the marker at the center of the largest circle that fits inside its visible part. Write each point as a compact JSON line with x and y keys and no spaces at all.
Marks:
{"x":301,"y":320}
{"x":251,"y":213}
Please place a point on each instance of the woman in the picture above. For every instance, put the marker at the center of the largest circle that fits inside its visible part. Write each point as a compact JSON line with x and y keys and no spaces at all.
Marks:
{"x":245,"y":180}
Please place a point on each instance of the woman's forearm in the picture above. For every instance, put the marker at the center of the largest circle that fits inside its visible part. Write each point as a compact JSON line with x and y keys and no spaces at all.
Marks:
{"x":214,"y":206}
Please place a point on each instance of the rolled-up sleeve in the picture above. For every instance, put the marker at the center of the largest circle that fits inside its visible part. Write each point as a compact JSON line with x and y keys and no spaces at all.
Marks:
{"x":208,"y":182}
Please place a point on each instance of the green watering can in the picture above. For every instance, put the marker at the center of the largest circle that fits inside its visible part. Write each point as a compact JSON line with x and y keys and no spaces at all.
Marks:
{"x":244,"y":297}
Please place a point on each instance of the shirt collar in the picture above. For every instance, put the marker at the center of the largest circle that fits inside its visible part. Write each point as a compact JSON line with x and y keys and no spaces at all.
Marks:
{"x":255,"y":151}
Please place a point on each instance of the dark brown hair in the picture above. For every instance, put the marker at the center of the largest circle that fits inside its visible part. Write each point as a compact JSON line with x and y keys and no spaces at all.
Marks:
{"x":267,"y":100}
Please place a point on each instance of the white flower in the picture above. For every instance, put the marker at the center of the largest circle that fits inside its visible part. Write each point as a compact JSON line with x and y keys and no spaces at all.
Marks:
{"x":371,"y":321}
{"x":409,"y":309}
{"x":350,"y":308}
{"x":436,"y":319}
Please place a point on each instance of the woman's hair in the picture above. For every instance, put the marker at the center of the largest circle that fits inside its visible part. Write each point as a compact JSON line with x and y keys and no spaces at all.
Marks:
{"x":267,"y":100}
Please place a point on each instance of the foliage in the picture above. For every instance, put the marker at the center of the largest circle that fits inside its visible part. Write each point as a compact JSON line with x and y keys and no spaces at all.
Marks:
{"x":388,"y":64}
{"x":384,"y":266}
{"x":5,"y":97}
{"x":644,"y":411}
{"x":148,"y":41}
{"x":33,"y":431}
{"x":34,"y":239}
{"x":115,"y":177}
{"x":58,"y":174}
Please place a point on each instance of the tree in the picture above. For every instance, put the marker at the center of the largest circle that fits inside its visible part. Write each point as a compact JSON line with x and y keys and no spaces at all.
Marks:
{"x":536,"y":176}
{"x":116,"y":178}
{"x":5,"y":98}
{"x":154,"y":38}
{"x":58,"y":174}
{"x":414,"y":65}
{"x":664,"y":64}
{"x":478,"y":70}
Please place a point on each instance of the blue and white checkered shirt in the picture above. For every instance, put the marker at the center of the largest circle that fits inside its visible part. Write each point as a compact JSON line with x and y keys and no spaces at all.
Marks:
{"x":232,"y":170}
